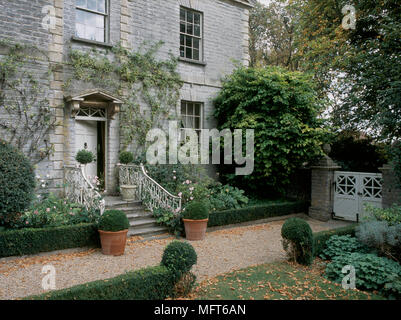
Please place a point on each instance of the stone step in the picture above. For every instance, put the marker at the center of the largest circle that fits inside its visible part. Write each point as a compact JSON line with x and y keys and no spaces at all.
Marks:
{"x":130,"y":210}
{"x":147,"y":232}
{"x":117,"y":202}
{"x":139,"y":215}
{"x":142,"y":223}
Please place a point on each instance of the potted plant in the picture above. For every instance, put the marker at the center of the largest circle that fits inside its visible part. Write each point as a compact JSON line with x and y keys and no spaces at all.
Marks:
{"x":84,"y":157}
{"x":195,"y":218}
{"x":128,"y":191}
{"x":113,"y":228}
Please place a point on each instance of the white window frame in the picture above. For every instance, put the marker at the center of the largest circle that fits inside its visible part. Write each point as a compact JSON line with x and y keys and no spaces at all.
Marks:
{"x":192,"y":36}
{"x":106,"y":16}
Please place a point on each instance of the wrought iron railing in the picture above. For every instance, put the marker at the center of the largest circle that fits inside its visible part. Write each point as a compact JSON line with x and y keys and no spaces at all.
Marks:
{"x":80,"y":190}
{"x":152,"y":194}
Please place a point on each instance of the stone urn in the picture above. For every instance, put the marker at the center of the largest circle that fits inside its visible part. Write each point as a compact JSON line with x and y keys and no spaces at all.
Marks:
{"x":128,"y":192}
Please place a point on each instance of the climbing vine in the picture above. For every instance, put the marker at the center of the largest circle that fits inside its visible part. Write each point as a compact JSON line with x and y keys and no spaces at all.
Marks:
{"x":149,"y":86}
{"x":26,"y":116}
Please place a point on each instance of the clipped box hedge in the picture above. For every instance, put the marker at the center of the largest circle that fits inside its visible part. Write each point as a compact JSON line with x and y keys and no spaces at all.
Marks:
{"x":152,"y":283}
{"x":320,"y":238}
{"x":31,"y":241}
{"x":257,"y":212}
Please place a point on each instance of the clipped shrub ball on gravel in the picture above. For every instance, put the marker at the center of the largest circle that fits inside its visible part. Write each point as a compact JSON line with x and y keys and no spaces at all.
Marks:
{"x":84,"y":157}
{"x":298,"y":240}
{"x":179,"y":257}
{"x":126,"y":157}
{"x":17,"y":182}
{"x":113,"y":221}
{"x":196,"y":211}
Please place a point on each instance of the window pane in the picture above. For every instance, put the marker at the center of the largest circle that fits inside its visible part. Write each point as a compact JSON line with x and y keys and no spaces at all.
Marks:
{"x":197,"y":109}
{"x":80,"y":30}
{"x":190,"y":29}
{"x":101,"y":6}
{"x":195,"y":54}
{"x":190,"y":109}
{"x":182,"y":27}
{"x":196,"y":43}
{"x":182,"y":52}
{"x":99,"y":21}
{"x":197,"y":18}
{"x":182,"y":40}
{"x":100,"y":35}
{"x":80,"y":16}
{"x":197,"y":31}
{"x":92,"y":5}
{"x":190,"y":17}
{"x":183,"y":108}
{"x":197,"y":123}
{"x":81,"y":3}
{"x":189,"y":53}
{"x":188,"y":41}
{"x":182,"y":14}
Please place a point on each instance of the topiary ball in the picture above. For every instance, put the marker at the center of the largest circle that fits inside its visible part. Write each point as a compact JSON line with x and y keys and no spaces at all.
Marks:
{"x":126,"y":157}
{"x":84,"y":156}
{"x":113,"y":221}
{"x":179,"y":257}
{"x":17,"y":182}
{"x":196,"y":211}
{"x":300,"y":234}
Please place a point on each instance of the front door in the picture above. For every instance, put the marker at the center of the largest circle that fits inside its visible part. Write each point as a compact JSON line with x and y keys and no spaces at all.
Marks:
{"x":86,"y":137}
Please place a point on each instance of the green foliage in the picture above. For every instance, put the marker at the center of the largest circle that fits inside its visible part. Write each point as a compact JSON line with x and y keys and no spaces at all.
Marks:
{"x":256,"y":212}
{"x":126,"y":157}
{"x":17,"y":183}
{"x":84,"y":156}
{"x":148,"y":81}
{"x":298,"y":232}
{"x":52,"y":211}
{"x":226,"y":197}
{"x":392,"y":289}
{"x":24,"y":99}
{"x":381,"y":236}
{"x":338,"y":245}
{"x":152,"y":283}
{"x":113,"y":220}
{"x":196,"y":211}
{"x":179,"y":257}
{"x":391,"y":215}
{"x":372,"y":272}
{"x":320,"y":238}
{"x":31,"y":241}
{"x":355,"y":153}
{"x":282,"y":108}
{"x":172,"y":220}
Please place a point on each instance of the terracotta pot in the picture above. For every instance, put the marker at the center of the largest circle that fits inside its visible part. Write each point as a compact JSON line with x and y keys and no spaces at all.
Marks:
{"x":113,"y":243}
{"x":195,"y":229}
{"x":128,"y":192}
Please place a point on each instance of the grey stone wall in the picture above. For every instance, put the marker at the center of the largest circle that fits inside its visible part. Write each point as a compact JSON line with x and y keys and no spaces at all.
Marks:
{"x":391,"y":193}
{"x":225,"y":38}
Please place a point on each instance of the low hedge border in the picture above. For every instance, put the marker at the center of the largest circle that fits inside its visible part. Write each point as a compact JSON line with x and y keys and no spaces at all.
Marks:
{"x":31,"y":241}
{"x":152,"y":283}
{"x":320,"y":238}
{"x":257,"y":212}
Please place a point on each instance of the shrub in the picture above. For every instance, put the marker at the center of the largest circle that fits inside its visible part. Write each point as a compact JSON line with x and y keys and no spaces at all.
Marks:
{"x":152,"y":283}
{"x":179,"y":257}
{"x":196,"y":211}
{"x":84,"y":156}
{"x":113,"y":220}
{"x":392,"y":289}
{"x":282,"y":107}
{"x":172,"y":220}
{"x":392,"y":215}
{"x":381,"y":236}
{"x":126,"y":157}
{"x":226,"y":197}
{"x":299,"y":237}
{"x":184,"y":286}
{"x":372,"y":272}
{"x":17,"y":183}
{"x":338,"y":245}
{"x":31,"y":241}
{"x":320,"y":238}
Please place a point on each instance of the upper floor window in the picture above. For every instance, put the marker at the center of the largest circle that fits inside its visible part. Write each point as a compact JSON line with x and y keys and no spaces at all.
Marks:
{"x":191,"y":117}
{"x":190,"y":34}
{"x":91,"y":20}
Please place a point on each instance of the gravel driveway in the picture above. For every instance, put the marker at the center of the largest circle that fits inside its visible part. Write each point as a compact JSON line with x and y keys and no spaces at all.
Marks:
{"x":223,"y":250}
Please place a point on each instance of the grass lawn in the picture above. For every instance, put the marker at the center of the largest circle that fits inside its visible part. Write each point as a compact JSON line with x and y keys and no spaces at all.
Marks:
{"x":276,"y":281}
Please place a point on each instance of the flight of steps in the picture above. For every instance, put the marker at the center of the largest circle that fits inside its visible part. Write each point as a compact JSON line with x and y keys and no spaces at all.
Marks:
{"x":141,"y":221}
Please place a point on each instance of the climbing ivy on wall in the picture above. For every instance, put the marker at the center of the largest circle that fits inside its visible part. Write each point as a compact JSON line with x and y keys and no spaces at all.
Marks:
{"x":26,"y":117}
{"x":149,"y":86}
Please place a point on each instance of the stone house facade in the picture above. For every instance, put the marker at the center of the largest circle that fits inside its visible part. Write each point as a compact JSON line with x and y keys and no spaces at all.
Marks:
{"x":207,"y":36}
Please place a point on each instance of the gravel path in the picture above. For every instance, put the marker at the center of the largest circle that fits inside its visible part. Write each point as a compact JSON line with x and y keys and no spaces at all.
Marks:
{"x":222,"y":251}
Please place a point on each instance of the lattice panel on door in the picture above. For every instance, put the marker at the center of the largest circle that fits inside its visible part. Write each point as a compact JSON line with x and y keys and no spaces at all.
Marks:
{"x":372,"y":187}
{"x":346,"y":185}
{"x":92,"y":112}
